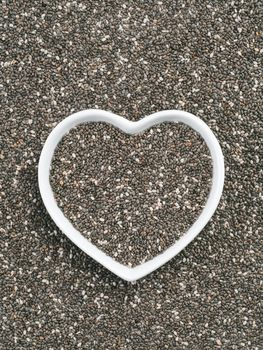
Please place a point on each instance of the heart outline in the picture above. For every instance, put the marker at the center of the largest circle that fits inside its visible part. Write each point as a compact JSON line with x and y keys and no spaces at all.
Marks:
{"x":130,"y":127}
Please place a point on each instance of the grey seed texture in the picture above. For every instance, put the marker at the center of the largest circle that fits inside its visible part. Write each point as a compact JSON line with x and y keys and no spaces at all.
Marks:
{"x":133,"y":58}
{"x":131,"y":200}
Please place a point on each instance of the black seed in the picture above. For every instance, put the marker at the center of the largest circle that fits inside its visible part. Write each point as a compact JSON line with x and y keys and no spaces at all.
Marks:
{"x":200,"y":56}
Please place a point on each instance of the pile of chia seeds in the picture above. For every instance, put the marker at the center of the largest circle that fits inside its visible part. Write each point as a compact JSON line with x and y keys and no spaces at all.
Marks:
{"x":131,"y":195}
{"x":133,"y":58}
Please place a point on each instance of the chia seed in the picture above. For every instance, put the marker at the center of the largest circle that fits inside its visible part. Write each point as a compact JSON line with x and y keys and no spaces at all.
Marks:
{"x":132,"y":196}
{"x":133,"y":58}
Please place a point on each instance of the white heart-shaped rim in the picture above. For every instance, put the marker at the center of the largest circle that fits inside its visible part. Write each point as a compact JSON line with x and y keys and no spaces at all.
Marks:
{"x":130,"y":127}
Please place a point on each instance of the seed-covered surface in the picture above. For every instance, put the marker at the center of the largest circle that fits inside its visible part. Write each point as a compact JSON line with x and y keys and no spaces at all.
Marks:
{"x":131,"y":195}
{"x":132,"y":58}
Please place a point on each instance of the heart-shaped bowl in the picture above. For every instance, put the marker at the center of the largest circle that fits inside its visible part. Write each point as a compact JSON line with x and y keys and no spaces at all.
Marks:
{"x":130,"y":127}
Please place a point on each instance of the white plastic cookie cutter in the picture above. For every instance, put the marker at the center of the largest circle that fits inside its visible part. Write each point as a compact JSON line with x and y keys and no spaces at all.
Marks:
{"x":130,"y":127}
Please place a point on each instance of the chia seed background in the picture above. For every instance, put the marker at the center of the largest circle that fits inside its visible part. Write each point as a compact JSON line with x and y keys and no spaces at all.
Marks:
{"x":132,"y":58}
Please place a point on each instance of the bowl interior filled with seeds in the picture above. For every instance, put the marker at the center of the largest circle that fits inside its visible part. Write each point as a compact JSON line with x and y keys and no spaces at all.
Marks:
{"x":131,"y":194}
